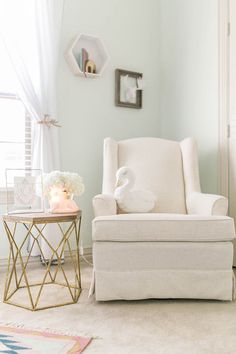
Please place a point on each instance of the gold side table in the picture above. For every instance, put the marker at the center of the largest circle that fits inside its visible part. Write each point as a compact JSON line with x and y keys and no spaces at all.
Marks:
{"x":58,"y":282}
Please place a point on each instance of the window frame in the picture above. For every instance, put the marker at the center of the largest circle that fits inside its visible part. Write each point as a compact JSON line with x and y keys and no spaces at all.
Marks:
{"x":28,"y":146}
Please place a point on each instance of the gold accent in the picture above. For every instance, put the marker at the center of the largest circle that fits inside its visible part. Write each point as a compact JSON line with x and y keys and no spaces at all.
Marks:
{"x":17,"y":271}
{"x":49,"y":121}
{"x":90,"y":67}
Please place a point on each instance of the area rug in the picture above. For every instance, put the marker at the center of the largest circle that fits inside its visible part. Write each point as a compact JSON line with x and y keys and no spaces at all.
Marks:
{"x":19,"y":341}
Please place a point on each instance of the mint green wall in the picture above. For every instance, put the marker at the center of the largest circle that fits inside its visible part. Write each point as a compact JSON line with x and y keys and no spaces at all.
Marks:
{"x":174,"y":43}
{"x":86,"y":106}
{"x":188,"y":94}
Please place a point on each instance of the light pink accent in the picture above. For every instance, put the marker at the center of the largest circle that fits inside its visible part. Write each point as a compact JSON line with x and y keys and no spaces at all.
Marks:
{"x":64,"y":206}
{"x":83,"y":341}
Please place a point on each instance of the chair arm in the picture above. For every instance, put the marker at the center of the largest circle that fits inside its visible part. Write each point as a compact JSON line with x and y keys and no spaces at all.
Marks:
{"x":206,"y":204}
{"x":104,"y":204}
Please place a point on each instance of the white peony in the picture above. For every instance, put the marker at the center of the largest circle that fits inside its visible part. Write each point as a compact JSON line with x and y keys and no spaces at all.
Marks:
{"x":71,"y":182}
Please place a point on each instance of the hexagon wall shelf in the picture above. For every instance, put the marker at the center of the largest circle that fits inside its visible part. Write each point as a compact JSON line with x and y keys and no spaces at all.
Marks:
{"x":96,"y":50}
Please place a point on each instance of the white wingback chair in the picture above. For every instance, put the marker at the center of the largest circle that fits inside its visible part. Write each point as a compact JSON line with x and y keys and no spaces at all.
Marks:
{"x":183,"y":249}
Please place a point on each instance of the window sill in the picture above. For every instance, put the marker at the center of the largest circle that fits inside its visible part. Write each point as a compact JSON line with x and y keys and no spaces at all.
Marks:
{"x":6,"y":197}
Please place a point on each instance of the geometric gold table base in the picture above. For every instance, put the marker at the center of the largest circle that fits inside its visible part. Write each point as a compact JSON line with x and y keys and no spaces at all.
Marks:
{"x":20,"y":290}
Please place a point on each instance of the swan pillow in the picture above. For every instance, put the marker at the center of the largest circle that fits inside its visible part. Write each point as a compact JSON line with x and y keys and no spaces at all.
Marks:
{"x":128,"y":200}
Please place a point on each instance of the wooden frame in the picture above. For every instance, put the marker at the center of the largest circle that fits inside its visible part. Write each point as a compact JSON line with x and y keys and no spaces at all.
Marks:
{"x":119,"y":100}
{"x":223,"y":41}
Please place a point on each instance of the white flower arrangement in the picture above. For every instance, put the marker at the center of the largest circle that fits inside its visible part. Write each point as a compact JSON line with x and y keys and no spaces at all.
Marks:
{"x":72,"y":183}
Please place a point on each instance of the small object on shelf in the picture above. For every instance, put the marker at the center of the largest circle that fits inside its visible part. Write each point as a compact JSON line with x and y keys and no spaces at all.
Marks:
{"x":85,"y":57}
{"x":96,"y":51}
{"x":90,"y":67}
{"x":80,"y":61}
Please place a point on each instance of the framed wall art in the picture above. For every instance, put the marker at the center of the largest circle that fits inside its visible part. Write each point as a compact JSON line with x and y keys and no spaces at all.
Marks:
{"x":24,"y":191}
{"x":128,"y":88}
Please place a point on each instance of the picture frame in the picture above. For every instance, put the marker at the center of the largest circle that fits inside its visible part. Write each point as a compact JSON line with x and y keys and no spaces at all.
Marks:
{"x":24,"y":189}
{"x":127,"y":93}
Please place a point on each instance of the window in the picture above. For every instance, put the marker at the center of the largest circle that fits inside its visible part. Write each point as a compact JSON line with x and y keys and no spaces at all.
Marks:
{"x":15,"y":135}
{"x":15,"y":124}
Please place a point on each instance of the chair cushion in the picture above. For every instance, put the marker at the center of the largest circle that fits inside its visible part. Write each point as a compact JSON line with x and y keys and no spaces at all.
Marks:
{"x":158,"y":168}
{"x":163,"y":227}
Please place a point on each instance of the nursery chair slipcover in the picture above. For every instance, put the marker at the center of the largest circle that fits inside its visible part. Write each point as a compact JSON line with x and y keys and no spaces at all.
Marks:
{"x":182,"y":249}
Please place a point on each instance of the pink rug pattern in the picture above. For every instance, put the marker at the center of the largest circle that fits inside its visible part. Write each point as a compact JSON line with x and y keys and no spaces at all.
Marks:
{"x":21,"y":341}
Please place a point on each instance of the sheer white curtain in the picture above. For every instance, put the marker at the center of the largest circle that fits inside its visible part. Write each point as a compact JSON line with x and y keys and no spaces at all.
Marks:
{"x":31,"y":33}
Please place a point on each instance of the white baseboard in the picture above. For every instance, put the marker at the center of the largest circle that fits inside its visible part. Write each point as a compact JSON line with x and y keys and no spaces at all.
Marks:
{"x":86,"y":251}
